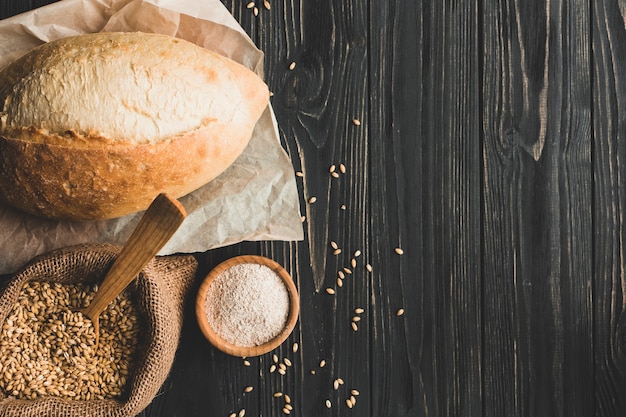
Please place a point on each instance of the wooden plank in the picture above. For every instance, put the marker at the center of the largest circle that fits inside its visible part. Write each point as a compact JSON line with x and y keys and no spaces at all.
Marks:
{"x":451,"y":203}
{"x":400,"y":385}
{"x":537,"y":193}
{"x":609,"y":150}
{"x":426,"y":140}
{"x":11,"y":8}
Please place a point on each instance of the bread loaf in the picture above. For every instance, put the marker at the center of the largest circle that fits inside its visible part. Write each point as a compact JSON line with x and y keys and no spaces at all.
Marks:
{"x":96,"y":126}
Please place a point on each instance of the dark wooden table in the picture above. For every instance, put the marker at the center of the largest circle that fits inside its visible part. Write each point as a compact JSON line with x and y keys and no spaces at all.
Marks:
{"x":492,"y":150}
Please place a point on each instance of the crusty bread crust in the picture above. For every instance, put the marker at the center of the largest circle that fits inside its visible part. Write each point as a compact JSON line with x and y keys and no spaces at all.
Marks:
{"x":56,"y":181}
{"x":68,"y":166}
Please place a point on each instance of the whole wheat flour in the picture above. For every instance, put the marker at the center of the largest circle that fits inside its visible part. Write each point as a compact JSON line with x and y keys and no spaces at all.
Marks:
{"x":247,"y":305}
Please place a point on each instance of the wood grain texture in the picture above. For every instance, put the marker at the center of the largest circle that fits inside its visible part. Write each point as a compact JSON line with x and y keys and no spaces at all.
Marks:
{"x":428,"y":151}
{"x":537,"y":216}
{"x":11,"y":8}
{"x":609,"y":151}
{"x":491,"y":150}
{"x":399,"y":349}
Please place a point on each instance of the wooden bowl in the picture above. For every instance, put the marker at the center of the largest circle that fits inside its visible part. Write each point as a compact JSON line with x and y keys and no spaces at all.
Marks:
{"x":247,"y":351}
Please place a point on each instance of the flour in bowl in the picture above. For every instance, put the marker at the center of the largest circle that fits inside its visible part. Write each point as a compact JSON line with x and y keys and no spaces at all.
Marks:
{"x":247,"y":305}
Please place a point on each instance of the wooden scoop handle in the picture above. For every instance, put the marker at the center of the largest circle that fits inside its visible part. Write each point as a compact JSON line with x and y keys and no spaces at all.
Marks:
{"x":155,"y":228}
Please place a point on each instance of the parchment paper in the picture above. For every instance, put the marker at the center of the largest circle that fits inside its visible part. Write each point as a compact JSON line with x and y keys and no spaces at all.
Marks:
{"x":255,"y":199}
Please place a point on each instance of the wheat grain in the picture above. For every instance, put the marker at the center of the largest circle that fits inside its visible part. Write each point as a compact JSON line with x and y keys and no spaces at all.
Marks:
{"x":61,"y":357}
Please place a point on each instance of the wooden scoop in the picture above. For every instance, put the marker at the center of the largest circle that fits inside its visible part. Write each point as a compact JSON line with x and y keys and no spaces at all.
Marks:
{"x":155,"y":228}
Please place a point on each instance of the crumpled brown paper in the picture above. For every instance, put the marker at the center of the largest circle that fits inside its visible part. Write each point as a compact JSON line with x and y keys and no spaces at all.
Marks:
{"x":255,"y":199}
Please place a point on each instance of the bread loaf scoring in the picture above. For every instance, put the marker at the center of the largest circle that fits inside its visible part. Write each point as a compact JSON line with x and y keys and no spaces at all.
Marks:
{"x":95,"y":126}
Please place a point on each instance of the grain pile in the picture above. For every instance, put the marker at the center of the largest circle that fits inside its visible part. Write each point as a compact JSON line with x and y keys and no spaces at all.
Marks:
{"x":47,"y":348}
{"x":157,"y":297}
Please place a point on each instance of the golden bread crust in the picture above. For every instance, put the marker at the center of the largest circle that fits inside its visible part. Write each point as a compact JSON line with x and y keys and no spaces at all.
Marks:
{"x":64,"y":156}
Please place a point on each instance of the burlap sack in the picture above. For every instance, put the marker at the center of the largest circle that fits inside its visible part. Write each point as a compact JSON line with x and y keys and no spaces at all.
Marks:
{"x":160,"y":290}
